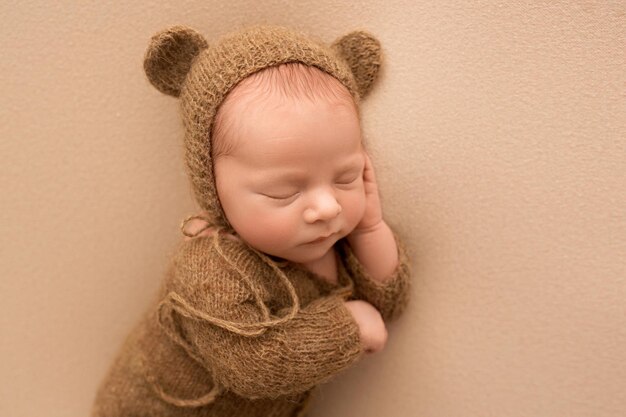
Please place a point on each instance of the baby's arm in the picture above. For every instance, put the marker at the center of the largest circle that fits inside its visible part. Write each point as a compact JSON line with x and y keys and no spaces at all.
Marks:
{"x":247,"y":349}
{"x":372,"y":330}
{"x":372,"y":241}
{"x":377,"y":251}
{"x":375,"y":257}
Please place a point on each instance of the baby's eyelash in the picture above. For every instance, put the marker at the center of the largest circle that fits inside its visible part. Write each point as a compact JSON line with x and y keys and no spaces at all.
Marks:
{"x":348,"y":181}
{"x":273,"y":197}
{"x":339,"y":181}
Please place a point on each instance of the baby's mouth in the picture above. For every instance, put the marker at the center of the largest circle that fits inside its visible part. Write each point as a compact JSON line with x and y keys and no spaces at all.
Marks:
{"x":322,"y":238}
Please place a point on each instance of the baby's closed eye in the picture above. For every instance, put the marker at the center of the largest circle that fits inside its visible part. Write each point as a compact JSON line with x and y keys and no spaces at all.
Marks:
{"x":348,"y":179}
{"x":281,"y":196}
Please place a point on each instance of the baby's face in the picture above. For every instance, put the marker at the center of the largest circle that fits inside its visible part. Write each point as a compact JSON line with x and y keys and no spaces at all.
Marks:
{"x":293,"y":185}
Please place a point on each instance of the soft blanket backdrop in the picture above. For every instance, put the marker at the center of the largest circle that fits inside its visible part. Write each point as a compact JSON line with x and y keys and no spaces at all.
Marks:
{"x":498,"y":132}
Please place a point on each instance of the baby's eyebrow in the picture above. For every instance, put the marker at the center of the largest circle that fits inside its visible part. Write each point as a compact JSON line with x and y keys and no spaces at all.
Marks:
{"x":273,"y":176}
{"x":352,"y":166}
{"x":353,"y":163}
{"x":294,"y":176}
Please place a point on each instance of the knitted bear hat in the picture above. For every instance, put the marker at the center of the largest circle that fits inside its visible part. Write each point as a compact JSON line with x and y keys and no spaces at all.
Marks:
{"x":181,"y":63}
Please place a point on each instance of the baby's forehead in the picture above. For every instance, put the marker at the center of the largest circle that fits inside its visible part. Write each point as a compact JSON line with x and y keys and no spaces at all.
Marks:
{"x":292,"y":82}
{"x":273,"y":89}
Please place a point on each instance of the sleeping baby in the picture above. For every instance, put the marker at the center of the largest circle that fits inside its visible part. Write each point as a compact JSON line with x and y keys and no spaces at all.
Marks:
{"x":290,"y":272}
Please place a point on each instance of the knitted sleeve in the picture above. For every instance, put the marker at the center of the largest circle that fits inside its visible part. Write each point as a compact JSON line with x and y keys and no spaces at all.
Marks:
{"x":223,"y":322}
{"x":391,"y":297}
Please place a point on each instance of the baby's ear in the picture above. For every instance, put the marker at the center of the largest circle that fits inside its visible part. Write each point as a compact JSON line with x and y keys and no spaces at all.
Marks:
{"x":362,"y":52}
{"x":169,"y":57}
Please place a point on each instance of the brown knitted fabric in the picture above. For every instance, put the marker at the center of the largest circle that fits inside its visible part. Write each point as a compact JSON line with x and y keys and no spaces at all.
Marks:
{"x":232,"y":332}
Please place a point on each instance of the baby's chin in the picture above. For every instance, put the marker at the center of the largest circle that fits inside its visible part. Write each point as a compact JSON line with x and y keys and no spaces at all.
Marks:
{"x":303,"y":252}
{"x":308,"y":253}
{"x":309,"y":257}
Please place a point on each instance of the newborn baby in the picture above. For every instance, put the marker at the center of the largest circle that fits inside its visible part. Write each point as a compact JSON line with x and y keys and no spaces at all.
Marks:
{"x":291,"y":269}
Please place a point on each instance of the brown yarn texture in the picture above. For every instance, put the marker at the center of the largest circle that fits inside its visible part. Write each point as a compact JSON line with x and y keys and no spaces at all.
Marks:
{"x":232,"y":331}
{"x":234,"y":334}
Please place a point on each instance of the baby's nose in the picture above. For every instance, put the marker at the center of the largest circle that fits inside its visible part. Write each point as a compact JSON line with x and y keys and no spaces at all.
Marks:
{"x":324,"y":207}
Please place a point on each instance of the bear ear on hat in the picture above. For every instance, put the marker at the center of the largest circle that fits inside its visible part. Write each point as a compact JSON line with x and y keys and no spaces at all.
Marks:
{"x":362,"y":52}
{"x":169,"y":57}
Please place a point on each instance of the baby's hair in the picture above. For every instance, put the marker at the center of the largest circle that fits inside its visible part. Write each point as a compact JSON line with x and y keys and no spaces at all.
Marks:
{"x":290,"y":81}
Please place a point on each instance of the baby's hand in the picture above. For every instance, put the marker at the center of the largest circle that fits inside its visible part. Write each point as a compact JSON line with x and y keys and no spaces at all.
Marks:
{"x":372,"y":328}
{"x":373,"y":214}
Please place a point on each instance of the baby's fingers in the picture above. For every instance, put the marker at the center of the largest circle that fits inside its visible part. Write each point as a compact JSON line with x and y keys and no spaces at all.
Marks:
{"x":368,"y":172}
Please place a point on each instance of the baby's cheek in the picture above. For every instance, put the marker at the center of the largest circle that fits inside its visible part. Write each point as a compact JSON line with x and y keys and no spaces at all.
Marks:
{"x":354,"y":208}
{"x":283,"y":230}
{"x":273,"y":227}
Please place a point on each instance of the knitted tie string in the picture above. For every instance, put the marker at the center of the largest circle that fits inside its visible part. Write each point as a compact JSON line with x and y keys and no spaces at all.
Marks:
{"x":203,"y":400}
{"x":182,"y":307}
{"x":177,"y":303}
{"x":207,"y":225}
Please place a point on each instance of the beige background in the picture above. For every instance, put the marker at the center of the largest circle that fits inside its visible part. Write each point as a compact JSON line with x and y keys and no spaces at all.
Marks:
{"x":498,"y":132}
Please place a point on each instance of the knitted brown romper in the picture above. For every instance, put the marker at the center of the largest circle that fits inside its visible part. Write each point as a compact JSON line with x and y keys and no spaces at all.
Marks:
{"x":234,"y":332}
